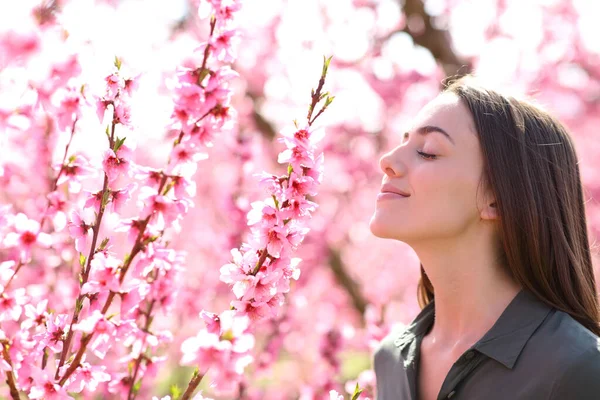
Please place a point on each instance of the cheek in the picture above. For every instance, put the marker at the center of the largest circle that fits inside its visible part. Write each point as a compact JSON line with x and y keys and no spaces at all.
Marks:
{"x":446,"y":190}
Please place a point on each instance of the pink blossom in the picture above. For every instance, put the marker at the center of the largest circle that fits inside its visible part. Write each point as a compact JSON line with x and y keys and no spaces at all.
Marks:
{"x":7,"y":270}
{"x":264,"y":214}
{"x":304,"y":137}
{"x":88,"y":377}
{"x":103,"y":275}
{"x":44,"y":387}
{"x":35,"y":316}
{"x":69,"y":109}
{"x":300,"y":186}
{"x":116,"y":164}
{"x":74,"y":171}
{"x":183,"y":187}
{"x":298,"y":209}
{"x":151,"y":177}
{"x":132,"y":294}
{"x":161,"y":207}
{"x":186,"y":153}
{"x":131,"y":226}
{"x":238,"y":270}
{"x":122,"y":113}
{"x":19,"y":45}
{"x":224,"y":45}
{"x":202,"y":135}
{"x":255,"y":310}
{"x":101,"y":106}
{"x":56,"y":330}
{"x":120,"y":197}
{"x":62,"y":71}
{"x":113,"y":84}
{"x":212,"y":321}
{"x":11,"y":304}
{"x":224,"y":10}
{"x":79,"y":230}
{"x":103,"y":329}
{"x":27,"y":235}
{"x":94,"y":200}
{"x":274,"y":239}
{"x":271,"y":183}
{"x":204,"y":349}
{"x":131,"y":84}
{"x":57,"y":210}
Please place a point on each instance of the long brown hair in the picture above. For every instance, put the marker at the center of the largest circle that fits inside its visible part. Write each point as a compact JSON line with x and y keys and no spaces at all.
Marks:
{"x":531,"y":166}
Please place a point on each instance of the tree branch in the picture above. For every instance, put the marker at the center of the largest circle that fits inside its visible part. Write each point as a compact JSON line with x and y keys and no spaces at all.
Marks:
{"x":435,"y":40}
{"x":346,"y":281}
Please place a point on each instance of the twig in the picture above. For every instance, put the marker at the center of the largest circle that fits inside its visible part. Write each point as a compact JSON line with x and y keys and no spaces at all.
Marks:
{"x":194,"y":382}
{"x":10,"y":377}
{"x":435,"y":40}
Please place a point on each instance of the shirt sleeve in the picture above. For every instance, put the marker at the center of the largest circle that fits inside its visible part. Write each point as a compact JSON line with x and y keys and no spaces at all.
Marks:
{"x":581,"y":379}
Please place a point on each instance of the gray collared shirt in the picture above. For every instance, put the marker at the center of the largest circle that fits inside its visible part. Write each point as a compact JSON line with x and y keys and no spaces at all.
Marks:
{"x":532,"y":352}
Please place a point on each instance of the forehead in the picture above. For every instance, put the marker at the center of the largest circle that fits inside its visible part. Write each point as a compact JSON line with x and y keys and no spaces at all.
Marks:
{"x":449,"y":113}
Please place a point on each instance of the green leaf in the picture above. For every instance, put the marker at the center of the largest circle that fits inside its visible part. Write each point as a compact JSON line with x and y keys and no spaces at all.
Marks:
{"x":79,"y":304}
{"x":103,"y":244}
{"x":175,"y":392}
{"x":326,"y":62}
{"x":118,"y":143}
{"x":117,"y":63}
{"x":203,"y":74}
{"x":357,"y":392}
{"x":111,"y":316}
{"x":82,"y":259}
{"x":329,"y":100}
{"x":137,"y":386}
{"x":105,"y":199}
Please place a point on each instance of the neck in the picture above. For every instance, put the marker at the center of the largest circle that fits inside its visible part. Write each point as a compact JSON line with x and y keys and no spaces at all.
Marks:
{"x":471,"y":292}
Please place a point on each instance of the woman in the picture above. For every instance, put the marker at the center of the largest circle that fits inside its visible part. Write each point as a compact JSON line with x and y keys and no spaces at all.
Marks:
{"x":486,"y":189}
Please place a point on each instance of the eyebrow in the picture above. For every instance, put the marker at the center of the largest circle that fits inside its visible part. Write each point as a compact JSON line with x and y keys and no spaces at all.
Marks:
{"x":431,"y":128}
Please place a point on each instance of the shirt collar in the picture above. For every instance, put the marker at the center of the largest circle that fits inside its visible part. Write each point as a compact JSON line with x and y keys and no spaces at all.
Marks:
{"x":506,"y":338}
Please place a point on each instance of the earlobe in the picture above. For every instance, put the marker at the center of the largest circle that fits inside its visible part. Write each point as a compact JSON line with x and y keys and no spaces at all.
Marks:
{"x":490,"y":212}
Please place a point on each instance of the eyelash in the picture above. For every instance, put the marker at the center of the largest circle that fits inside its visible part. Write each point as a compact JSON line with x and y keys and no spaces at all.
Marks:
{"x":427,"y":156}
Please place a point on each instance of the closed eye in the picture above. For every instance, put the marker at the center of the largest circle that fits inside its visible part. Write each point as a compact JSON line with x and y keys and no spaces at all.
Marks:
{"x":427,"y":156}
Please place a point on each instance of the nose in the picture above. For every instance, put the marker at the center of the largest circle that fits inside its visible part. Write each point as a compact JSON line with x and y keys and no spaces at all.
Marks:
{"x":391,"y":164}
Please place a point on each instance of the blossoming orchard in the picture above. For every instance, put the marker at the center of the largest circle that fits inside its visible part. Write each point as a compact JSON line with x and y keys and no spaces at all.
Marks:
{"x":186,"y":185}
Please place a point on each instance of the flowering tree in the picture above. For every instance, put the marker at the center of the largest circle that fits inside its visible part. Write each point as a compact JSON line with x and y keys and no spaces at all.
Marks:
{"x":143,"y":249}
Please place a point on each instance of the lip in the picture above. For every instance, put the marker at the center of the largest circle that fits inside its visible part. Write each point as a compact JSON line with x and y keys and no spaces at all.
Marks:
{"x":387,"y":188}
{"x":390,"y":196}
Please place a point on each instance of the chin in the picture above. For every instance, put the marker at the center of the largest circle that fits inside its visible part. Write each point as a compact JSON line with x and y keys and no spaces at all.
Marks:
{"x":381,"y":229}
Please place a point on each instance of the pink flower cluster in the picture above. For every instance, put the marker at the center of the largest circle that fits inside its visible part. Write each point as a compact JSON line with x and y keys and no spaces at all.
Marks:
{"x":117,"y":296}
{"x":261,"y":270}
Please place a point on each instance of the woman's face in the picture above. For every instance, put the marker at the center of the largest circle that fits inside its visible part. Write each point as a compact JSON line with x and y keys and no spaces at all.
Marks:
{"x":441,"y":184}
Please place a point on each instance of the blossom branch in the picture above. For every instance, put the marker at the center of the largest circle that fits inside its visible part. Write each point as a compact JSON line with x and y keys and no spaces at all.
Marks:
{"x":85,"y":276}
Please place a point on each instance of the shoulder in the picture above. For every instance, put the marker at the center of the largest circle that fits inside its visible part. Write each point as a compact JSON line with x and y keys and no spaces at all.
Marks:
{"x":580,"y":379}
{"x":576,"y":350}
{"x":567,"y":337}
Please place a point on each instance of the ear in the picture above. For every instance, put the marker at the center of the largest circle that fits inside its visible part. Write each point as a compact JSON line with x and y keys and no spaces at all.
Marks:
{"x":490,"y":211}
